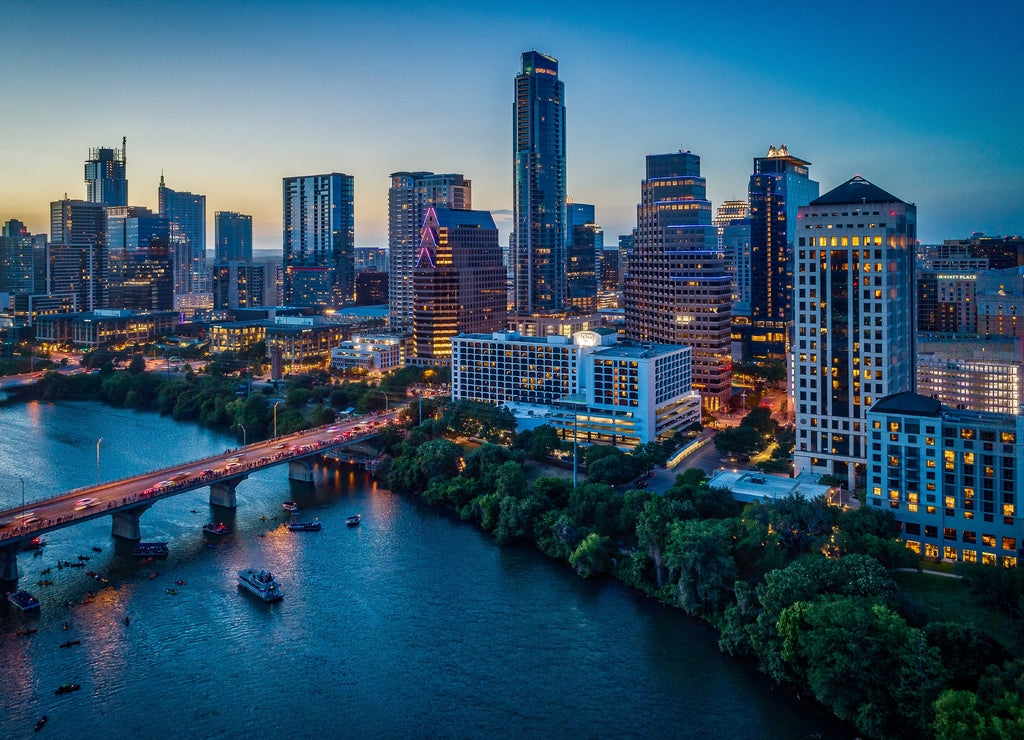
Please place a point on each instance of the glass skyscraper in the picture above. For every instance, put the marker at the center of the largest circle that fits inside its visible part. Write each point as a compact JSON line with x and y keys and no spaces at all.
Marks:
{"x":319,"y":240}
{"x":232,"y":236}
{"x":105,"y":176}
{"x":539,"y":198}
{"x":138,"y":273}
{"x":186,"y":213}
{"x":778,"y":187}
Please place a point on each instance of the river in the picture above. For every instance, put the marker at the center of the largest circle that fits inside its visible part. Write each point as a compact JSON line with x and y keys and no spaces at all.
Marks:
{"x":413,"y":624}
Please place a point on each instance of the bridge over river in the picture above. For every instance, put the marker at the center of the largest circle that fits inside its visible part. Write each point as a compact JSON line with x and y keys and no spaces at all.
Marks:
{"x":127,"y":499}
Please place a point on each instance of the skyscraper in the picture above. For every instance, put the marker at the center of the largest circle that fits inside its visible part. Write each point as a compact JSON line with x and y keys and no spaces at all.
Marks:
{"x":779,"y":186}
{"x":319,"y":240}
{"x":538,"y":184}
{"x":18,"y":252}
{"x":77,"y":260}
{"x":853,"y":311}
{"x":139,"y":265}
{"x":677,"y":290}
{"x":411,"y":194}
{"x":585,"y":242}
{"x":106,"y":177}
{"x":458,"y":281}
{"x":186,"y":213}
{"x":232,"y":237}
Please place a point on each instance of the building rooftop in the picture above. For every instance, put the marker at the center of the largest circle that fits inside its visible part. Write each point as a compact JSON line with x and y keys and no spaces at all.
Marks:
{"x":853,"y":191}
{"x":753,"y":486}
{"x":907,"y":403}
{"x":637,"y":351}
{"x":993,"y":349}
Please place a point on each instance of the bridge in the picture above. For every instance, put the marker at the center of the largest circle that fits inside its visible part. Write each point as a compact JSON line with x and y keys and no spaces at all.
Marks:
{"x":127,"y":499}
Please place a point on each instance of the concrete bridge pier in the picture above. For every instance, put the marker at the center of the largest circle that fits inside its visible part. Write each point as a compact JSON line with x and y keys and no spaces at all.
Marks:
{"x":9,"y":562}
{"x":222,"y":493}
{"x":301,"y":470}
{"x":125,"y":523}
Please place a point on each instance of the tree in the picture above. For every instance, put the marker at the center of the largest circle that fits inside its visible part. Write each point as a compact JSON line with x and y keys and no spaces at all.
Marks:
{"x":699,"y":552}
{"x":544,"y":440}
{"x":966,"y":651}
{"x":591,"y":556}
{"x":137,"y":365}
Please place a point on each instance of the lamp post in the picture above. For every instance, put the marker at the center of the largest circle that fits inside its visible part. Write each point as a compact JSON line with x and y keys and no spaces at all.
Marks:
{"x":22,"y":494}
{"x":242,"y":427}
{"x":98,"y":443}
{"x":385,"y":401}
{"x":275,"y":418}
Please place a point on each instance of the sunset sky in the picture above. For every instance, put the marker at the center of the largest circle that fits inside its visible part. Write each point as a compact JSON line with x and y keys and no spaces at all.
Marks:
{"x":925,"y":99}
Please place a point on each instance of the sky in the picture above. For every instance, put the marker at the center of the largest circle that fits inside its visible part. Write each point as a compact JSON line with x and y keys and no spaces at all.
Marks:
{"x":924,"y":99}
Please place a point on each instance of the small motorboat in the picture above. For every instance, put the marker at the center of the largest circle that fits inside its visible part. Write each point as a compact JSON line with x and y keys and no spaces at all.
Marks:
{"x":44,"y":572}
{"x":25,"y":633}
{"x":70,"y":643}
{"x":97,"y":549}
{"x":83,"y":557}
{"x":41,"y":722}
{"x":45,"y":583}
{"x":23,"y":600}
{"x":153,"y":575}
{"x":218,"y":528}
{"x":179,"y":582}
{"x":290,"y":506}
{"x":171,"y":592}
{"x":313,"y":526}
{"x":353,"y":521}
{"x":67,"y":688}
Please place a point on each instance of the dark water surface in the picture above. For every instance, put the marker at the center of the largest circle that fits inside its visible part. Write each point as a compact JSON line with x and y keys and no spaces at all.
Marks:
{"x":410,"y":625}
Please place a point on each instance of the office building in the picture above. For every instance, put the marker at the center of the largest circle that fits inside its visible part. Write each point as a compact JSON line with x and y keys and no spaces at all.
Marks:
{"x":77,"y":261}
{"x":538,"y":187}
{"x":106,"y":176}
{"x":779,"y":186}
{"x":372,"y":259}
{"x":239,"y":285}
{"x":981,"y":375}
{"x":186,"y":214}
{"x":409,"y":197}
{"x":585,"y":245}
{"x":139,"y":265}
{"x":458,"y":281}
{"x":319,"y":240}
{"x":854,"y":321}
{"x":232,"y":237}
{"x":593,"y":388}
{"x":951,"y":477}
{"x":19,"y":251}
{"x":677,"y":290}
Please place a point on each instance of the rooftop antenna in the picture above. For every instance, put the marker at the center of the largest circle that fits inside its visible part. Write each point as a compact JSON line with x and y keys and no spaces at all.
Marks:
{"x":124,"y":148}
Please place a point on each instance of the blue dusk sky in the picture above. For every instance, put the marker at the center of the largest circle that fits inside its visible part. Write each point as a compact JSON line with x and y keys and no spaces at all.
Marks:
{"x":925,"y":99}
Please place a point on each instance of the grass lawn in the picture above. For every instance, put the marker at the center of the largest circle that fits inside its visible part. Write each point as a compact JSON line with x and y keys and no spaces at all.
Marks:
{"x":950,"y":600}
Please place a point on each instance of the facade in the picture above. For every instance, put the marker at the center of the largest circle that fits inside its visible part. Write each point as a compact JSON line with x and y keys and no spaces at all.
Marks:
{"x":677,"y":290}
{"x":239,"y":285}
{"x":370,"y":353}
{"x":779,"y":186}
{"x":411,"y":194}
{"x":303,"y":343}
{"x":186,"y":214}
{"x":854,"y":321}
{"x":236,"y":336}
{"x":951,"y":477}
{"x":19,"y":251}
{"x":371,"y":259}
{"x":76,"y":264}
{"x":106,"y":176}
{"x":539,"y":187}
{"x":559,"y":324}
{"x":139,"y":265}
{"x":371,"y":288}
{"x":984,"y":375}
{"x":458,"y":281}
{"x":104,"y":327}
{"x":999,"y":300}
{"x":584,"y":247}
{"x":599,"y":391}
{"x":319,"y":240}
{"x":232,"y":237}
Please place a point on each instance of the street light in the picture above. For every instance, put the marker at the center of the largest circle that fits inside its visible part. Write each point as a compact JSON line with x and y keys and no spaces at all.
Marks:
{"x":275,"y":419}
{"x":22,"y":494}
{"x":385,"y":401}
{"x":242,"y":427}
{"x":98,"y":443}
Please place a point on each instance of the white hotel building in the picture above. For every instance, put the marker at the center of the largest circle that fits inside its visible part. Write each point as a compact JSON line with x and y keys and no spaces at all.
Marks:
{"x":599,"y":391}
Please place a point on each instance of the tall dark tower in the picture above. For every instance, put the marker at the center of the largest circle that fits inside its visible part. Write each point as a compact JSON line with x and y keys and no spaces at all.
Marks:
{"x":105,"y":176}
{"x":539,"y":236}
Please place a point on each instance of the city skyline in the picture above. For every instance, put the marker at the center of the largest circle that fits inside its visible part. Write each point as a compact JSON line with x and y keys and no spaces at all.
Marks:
{"x":230,"y":100}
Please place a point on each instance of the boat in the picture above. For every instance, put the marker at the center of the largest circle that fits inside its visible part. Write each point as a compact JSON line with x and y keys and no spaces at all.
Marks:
{"x":212,"y":528}
{"x":97,"y":549}
{"x":25,"y":633}
{"x":261,"y":583}
{"x":179,"y":582}
{"x":41,"y":722}
{"x":23,"y":600}
{"x":171,"y":592}
{"x":83,"y":557}
{"x":70,"y":643}
{"x":67,"y":688}
{"x":290,"y":506}
{"x":45,"y":583}
{"x":353,"y":521}
{"x":313,"y":526}
{"x":150,"y":550}
{"x":153,"y":575}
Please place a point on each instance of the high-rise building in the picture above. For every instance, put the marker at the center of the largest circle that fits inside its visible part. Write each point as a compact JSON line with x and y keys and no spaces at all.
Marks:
{"x":677,"y":290}
{"x":76,"y":265}
{"x":584,"y":247}
{"x":778,"y":187}
{"x":411,"y":194}
{"x":732,"y":218}
{"x":186,"y":213}
{"x":982,"y":375}
{"x":458,"y":281}
{"x":232,"y":236}
{"x":19,"y":251}
{"x":106,"y":176}
{"x":238,"y":284}
{"x":139,"y":269}
{"x":371,"y":259}
{"x":853,"y":309}
{"x":538,"y":185}
{"x":319,"y":240}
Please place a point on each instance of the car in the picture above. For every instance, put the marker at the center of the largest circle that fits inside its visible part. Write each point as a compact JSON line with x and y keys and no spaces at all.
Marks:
{"x":85,"y":503}
{"x":25,"y":515}
{"x":31,"y":520}
{"x":280,"y":446}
